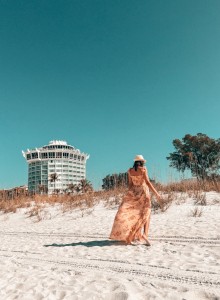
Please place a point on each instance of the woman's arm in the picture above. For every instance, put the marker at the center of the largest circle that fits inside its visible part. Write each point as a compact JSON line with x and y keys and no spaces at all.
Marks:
{"x":150,"y":185}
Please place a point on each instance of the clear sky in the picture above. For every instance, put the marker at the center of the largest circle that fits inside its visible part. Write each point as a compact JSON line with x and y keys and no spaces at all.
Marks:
{"x":114,"y":78}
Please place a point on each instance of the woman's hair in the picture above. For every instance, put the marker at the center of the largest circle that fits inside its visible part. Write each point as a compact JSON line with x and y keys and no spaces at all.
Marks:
{"x":138,"y":163}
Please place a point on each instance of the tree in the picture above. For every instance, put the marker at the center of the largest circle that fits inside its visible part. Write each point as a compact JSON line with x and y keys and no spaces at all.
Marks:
{"x":115,"y":180}
{"x":42,"y":188}
{"x":54,"y":178}
{"x":72,"y":188}
{"x":200,"y":154}
{"x":84,"y":186}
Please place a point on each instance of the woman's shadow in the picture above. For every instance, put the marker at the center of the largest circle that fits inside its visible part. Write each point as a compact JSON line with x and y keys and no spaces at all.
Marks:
{"x":102,"y":243}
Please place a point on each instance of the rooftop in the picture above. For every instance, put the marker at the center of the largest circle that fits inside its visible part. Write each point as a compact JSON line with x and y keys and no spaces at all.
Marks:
{"x":56,"y":142}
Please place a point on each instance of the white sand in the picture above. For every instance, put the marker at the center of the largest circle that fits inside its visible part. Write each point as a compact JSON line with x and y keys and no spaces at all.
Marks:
{"x":183,"y":261}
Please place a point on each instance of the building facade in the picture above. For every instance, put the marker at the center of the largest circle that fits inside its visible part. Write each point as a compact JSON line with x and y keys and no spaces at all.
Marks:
{"x":18,"y":191}
{"x":68,"y":163}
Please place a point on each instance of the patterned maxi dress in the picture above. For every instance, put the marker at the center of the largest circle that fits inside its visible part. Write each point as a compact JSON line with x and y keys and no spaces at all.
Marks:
{"x":134,"y":211}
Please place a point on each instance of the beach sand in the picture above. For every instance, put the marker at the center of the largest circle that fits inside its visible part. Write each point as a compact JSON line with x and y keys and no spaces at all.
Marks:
{"x":67,"y":256}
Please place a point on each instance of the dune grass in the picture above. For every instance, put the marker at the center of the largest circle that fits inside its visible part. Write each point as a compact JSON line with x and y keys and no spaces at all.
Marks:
{"x":175,"y":191}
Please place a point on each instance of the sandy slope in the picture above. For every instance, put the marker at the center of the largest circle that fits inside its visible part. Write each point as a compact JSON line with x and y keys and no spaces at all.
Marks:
{"x":67,"y":256}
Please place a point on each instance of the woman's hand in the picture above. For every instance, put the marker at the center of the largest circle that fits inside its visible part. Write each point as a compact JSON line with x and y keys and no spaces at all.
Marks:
{"x":160,"y":200}
{"x":158,"y":197}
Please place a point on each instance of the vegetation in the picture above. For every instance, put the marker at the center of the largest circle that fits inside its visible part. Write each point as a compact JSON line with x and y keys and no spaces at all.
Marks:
{"x":85,"y":201}
{"x":114,"y":181}
{"x":42,"y":189}
{"x":200,"y":154}
{"x":196,"y":212}
{"x":84,"y":186}
{"x":54,"y":178}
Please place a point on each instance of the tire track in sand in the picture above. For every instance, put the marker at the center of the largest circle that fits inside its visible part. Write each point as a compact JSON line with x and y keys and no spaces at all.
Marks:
{"x":160,"y":238}
{"x":131,"y":271}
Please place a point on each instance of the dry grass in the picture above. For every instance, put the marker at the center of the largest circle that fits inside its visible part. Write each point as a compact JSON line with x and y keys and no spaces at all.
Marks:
{"x":11,"y":206}
{"x":36,"y":211}
{"x":36,"y":205}
{"x":200,"y":198}
{"x":164,"y":203}
{"x":176,"y":191}
{"x":196,"y":212}
{"x":190,"y":186}
{"x":189,"y":189}
{"x":112,"y":198}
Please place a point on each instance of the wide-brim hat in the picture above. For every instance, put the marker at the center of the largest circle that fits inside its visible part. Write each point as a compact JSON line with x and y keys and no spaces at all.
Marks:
{"x":139,"y":158}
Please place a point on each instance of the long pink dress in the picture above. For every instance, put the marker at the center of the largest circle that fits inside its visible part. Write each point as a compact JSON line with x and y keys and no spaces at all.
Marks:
{"x":134,"y":211}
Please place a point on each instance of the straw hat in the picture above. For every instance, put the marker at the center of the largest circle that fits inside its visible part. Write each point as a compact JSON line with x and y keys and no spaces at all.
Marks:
{"x":139,"y":158}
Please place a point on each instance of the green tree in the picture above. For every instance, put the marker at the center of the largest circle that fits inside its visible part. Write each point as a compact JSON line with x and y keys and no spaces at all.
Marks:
{"x":84,"y":186}
{"x":115,"y":180}
{"x":199,"y":153}
{"x":72,"y":188}
{"x":54,"y":178}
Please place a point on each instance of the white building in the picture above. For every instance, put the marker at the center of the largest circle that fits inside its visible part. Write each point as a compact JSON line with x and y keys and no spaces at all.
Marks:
{"x":57,"y":157}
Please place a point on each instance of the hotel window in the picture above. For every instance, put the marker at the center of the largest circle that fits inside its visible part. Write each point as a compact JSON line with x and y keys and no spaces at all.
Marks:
{"x":65,"y":155}
{"x":44,"y":155}
{"x":34,"y":155}
{"x":51,"y":154}
{"x":59,"y":155}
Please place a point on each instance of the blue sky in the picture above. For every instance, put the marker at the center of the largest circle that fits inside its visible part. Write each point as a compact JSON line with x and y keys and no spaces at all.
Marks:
{"x":114,"y":78}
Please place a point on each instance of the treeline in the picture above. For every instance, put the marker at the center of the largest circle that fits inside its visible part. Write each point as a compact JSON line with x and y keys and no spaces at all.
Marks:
{"x":115,"y":180}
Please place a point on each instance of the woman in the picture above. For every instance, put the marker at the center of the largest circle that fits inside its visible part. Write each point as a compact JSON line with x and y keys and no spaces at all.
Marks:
{"x":134,"y":212}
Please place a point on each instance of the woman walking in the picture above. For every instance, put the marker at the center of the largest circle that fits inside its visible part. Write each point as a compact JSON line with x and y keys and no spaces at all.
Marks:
{"x":133,"y":215}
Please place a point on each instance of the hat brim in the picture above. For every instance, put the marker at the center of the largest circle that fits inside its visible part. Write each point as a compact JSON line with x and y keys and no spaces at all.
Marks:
{"x":140,"y":160}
